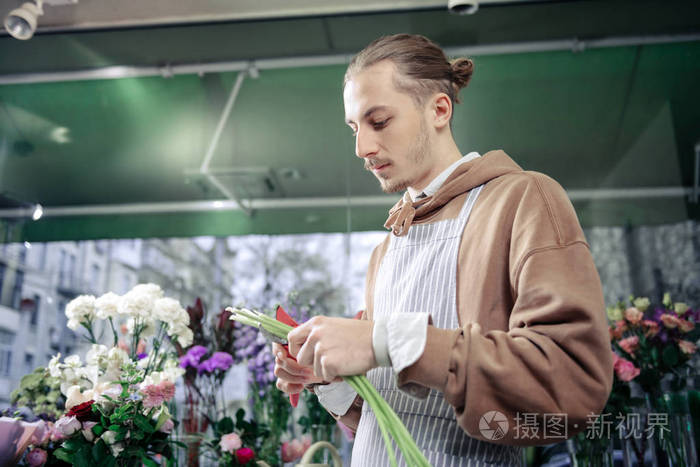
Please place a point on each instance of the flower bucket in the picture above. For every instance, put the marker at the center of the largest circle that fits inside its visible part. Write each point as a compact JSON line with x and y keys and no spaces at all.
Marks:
{"x":309,"y":455}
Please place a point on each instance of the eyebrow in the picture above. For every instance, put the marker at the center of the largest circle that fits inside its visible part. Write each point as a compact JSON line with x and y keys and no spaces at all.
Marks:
{"x":369,"y":112}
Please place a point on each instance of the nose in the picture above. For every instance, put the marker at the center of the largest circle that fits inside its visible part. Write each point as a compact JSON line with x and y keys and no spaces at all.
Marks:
{"x":365,"y":144}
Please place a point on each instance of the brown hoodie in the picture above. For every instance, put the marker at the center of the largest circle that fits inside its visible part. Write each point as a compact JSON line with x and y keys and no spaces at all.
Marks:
{"x":533,"y":336}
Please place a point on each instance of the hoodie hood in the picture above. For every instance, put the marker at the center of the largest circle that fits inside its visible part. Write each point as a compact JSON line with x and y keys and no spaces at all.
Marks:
{"x":465,"y":177}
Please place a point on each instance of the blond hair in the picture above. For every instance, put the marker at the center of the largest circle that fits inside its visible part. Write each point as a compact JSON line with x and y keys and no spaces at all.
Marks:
{"x":423,"y":68}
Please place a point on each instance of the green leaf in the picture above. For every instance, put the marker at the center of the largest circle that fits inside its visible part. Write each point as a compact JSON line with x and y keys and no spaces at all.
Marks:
{"x":63,"y":455}
{"x":670,"y":355}
{"x":72,"y":445}
{"x":99,"y":451}
{"x":148,"y":461}
{"x":98,"y":430}
{"x":83,"y":458}
{"x":143,"y":423}
{"x":225,"y":425}
{"x":117,"y":428}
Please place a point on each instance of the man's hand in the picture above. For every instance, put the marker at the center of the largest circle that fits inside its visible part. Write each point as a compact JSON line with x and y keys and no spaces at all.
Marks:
{"x":333,"y":346}
{"x":291,"y":377}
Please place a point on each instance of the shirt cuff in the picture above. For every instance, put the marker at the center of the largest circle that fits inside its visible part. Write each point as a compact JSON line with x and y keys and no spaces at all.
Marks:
{"x":406,"y":340}
{"x":336,"y":397}
{"x":380,"y":344}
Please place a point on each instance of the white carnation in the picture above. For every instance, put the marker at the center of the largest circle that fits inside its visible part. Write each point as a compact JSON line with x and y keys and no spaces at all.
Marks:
{"x":55,"y":366}
{"x":73,"y":361}
{"x":185,"y":338}
{"x":172,"y":369}
{"x":80,"y":309}
{"x":107,"y":306}
{"x":95,"y":355}
{"x":150,"y":289}
{"x":169,"y":311}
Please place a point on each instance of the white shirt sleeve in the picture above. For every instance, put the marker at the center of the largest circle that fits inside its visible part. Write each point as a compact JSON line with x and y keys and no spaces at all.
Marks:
{"x":336,"y":397}
{"x":403,"y":337}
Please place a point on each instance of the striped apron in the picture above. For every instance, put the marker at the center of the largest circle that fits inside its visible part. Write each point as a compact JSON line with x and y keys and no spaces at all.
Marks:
{"x":419,"y":273}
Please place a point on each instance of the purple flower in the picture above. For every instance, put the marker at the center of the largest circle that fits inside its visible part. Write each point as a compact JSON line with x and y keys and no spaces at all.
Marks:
{"x":219,"y":361}
{"x":192,"y":357}
{"x":142,"y":355}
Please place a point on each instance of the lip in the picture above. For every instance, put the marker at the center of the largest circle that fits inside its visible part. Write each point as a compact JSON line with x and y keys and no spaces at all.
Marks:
{"x":379,"y":168}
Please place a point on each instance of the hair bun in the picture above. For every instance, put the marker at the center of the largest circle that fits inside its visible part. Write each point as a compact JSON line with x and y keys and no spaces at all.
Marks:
{"x":462,"y":69}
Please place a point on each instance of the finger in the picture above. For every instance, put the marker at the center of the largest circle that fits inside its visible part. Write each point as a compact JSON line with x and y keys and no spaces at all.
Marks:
{"x":305,"y":357}
{"x":287,"y":377}
{"x":291,"y":365}
{"x":289,"y":388}
{"x":297,"y":337}
{"x":277,"y":348}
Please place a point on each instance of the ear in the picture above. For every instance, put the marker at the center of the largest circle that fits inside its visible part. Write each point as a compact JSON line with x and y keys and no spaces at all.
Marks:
{"x":440,"y":110}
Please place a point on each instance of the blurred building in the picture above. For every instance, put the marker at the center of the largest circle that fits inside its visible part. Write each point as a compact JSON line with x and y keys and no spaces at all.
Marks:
{"x":38,"y":280}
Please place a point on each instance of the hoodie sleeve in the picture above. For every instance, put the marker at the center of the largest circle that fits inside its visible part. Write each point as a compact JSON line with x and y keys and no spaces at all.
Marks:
{"x":550,"y":368}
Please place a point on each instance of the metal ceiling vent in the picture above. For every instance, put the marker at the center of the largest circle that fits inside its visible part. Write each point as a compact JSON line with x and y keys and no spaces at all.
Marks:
{"x":239,"y":184}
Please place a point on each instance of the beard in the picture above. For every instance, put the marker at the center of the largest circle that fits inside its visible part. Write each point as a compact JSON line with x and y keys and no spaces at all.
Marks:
{"x":417,"y":152}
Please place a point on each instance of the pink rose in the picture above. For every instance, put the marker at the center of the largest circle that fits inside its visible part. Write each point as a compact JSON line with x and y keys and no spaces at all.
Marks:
{"x":686,"y":326}
{"x":624,"y":369}
{"x":629,"y":344}
{"x":292,"y":450}
{"x":670,"y":321}
{"x":68,"y":425}
{"x":87,"y":431}
{"x":306,"y":442}
{"x":620,"y":328}
{"x":651,"y":327}
{"x":633,"y":315}
{"x":54,"y":433}
{"x":687,"y":347}
{"x":36,"y":457}
{"x":167,"y":426}
{"x":230,"y":442}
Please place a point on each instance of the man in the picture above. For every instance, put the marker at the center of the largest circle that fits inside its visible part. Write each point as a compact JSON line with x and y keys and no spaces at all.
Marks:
{"x":483,"y":304}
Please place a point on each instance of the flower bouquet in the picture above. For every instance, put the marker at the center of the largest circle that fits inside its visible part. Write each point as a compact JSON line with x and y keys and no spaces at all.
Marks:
{"x":117,"y":399}
{"x":654,"y":348}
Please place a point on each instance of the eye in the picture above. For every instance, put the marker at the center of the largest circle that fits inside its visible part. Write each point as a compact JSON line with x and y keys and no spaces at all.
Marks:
{"x":378,"y":125}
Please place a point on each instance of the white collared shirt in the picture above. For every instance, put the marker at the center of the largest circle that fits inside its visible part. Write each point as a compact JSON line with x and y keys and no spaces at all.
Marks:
{"x":437,"y":182}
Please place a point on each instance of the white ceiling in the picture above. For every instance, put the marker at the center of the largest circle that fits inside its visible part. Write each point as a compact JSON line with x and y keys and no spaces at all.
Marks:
{"x":97,"y":14}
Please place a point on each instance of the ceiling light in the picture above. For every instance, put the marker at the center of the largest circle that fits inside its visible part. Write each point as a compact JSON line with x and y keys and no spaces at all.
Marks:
{"x":463,"y":7}
{"x":38,"y":212}
{"x":21,"y":22}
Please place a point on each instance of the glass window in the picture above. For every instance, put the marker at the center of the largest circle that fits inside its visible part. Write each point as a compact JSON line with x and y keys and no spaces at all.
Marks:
{"x":17,"y":290}
{"x":28,"y":363}
{"x":7,"y":339}
{"x":34,"y":316}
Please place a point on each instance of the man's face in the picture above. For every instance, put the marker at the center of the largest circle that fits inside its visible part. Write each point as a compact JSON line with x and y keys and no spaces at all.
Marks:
{"x":391,"y":133}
